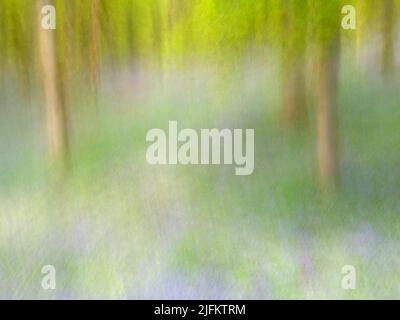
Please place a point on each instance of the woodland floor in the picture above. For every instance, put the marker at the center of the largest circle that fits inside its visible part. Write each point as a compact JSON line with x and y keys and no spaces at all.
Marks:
{"x":119,"y":228}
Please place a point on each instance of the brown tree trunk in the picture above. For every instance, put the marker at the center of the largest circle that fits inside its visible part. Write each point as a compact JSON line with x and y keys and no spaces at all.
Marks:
{"x":94,"y":48}
{"x":294,"y":104}
{"x":3,"y":52}
{"x":327,"y":123}
{"x":57,"y":132}
{"x":157,"y":45}
{"x":388,"y":25}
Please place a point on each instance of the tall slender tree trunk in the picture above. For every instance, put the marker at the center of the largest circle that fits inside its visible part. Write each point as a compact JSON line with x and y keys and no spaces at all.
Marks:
{"x":388,"y":26}
{"x":361,"y":6}
{"x":3,"y":44}
{"x":94,"y":48}
{"x":57,"y":132}
{"x":294,"y":104}
{"x":157,"y":45}
{"x":327,"y":123}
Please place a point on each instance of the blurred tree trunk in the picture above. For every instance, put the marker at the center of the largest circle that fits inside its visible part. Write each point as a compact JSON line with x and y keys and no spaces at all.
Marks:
{"x":22,"y":49}
{"x":94,"y":48}
{"x":327,"y":123}
{"x":361,"y":6}
{"x":57,"y":132}
{"x":294,"y":104}
{"x":3,"y":45}
{"x":156,"y":33}
{"x":388,"y":26}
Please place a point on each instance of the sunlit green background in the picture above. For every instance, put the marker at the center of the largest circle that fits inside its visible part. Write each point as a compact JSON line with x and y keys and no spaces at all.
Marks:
{"x":114,"y":226}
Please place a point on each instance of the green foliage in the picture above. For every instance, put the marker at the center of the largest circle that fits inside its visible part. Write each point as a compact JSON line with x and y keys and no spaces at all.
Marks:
{"x":170,"y":32}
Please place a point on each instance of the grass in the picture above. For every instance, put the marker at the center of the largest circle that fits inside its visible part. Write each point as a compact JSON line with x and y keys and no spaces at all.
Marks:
{"x":119,"y":228}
